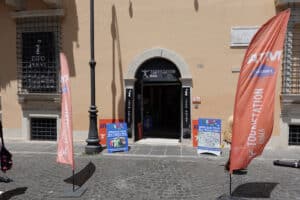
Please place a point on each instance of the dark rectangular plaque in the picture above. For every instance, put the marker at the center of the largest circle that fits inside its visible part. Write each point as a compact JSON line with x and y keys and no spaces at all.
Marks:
{"x":186,"y":112}
{"x":128,"y":109}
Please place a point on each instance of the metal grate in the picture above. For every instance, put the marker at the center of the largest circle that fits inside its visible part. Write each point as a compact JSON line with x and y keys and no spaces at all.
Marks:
{"x":294,"y":135}
{"x":38,"y":44}
{"x":291,"y":60}
{"x":43,"y":129}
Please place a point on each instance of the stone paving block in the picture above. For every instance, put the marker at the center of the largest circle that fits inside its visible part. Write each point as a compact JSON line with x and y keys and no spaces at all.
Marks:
{"x":157,"y":152}
{"x":144,"y":150}
{"x":171,"y":150}
{"x":189,"y":151}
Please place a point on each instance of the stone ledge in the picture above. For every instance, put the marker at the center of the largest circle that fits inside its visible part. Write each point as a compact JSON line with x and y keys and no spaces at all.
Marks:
{"x":16,"y":4}
{"x":290,"y":98}
{"x":39,"y":98}
{"x":54,"y":3}
{"x":38,"y":13}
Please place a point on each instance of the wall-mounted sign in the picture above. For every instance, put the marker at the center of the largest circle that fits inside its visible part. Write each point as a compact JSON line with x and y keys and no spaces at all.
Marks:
{"x":186,"y":94}
{"x":128,"y":109}
{"x":117,"y":138}
{"x":158,"y":70}
{"x":209,"y":136}
{"x":241,"y":36}
{"x":196,"y":100}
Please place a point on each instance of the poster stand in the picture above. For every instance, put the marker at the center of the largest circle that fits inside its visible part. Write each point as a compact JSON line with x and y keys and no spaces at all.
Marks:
{"x":209,"y":136}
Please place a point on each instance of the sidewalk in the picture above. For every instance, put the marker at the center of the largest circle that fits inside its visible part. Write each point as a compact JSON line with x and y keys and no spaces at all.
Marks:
{"x":147,"y":172}
{"x":145,"y":150}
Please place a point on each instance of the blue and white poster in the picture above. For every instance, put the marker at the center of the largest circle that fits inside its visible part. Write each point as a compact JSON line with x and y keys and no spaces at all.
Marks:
{"x":209,"y":136}
{"x":117,"y":137}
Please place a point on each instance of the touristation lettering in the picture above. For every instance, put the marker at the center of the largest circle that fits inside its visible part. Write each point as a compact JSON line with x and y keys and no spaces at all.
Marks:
{"x":257,"y":103}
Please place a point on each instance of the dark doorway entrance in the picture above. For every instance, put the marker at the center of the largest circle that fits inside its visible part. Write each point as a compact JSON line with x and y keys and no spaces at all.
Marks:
{"x":157,"y":100}
{"x":161,"y":112}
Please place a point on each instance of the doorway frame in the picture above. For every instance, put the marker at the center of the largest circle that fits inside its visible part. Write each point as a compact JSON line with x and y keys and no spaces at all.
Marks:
{"x":186,"y":82}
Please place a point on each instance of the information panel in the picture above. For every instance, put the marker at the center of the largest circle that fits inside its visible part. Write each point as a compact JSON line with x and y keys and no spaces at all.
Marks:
{"x":209,"y":136}
{"x":117,"y":138}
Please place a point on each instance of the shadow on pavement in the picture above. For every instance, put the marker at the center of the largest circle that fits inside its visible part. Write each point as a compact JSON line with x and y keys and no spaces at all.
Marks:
{"x":11,"y":193}
{"x":254,"y":190}
{"x":82,"y":176}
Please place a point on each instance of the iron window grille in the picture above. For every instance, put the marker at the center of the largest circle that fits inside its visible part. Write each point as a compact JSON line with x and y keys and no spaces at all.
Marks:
{"x":43,"y":128}
{"x":291,"y":59}
{"x":38,"y":45}
{"x":294,"y":135}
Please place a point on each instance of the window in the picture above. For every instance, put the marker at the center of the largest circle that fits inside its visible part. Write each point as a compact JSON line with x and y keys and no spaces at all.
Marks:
{"x":43,"y":128}
{"x":291,"y":70}
{"x":291,"y":60}
{"x":294,"y":135}
{"x":38,"y":44}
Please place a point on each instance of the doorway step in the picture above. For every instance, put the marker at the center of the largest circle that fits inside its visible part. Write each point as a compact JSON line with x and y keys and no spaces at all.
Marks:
{"x":158,"y":141}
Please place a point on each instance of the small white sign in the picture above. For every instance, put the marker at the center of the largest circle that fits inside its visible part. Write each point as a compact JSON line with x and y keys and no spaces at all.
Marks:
{"x":241,"y":36}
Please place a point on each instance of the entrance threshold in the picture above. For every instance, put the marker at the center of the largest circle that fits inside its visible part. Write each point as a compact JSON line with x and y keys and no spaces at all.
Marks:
{"x":158,"y":141}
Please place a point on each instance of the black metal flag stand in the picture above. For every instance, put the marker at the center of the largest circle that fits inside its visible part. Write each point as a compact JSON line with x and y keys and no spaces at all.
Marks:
{"x":74,"y":193}
{"x":230,"y":196}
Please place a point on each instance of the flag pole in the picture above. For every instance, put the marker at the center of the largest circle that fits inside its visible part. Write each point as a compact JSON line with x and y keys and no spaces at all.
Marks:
{"x":230,"y":182}
{"x":73,"y":180}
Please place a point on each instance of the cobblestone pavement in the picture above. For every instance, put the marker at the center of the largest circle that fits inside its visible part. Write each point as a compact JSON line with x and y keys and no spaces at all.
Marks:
{"x":147,"y":172}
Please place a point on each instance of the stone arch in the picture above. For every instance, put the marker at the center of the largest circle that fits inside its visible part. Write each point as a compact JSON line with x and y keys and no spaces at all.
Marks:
{"x":186,"y":78}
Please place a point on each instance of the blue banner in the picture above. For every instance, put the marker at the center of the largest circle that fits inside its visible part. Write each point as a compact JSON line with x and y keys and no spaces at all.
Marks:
{"x":209,"y":136}
{"x":117,"y":137}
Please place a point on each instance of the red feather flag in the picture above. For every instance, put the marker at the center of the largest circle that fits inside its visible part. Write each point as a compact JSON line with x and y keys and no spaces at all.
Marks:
{"x":65,"y":152}
{"x":254,"y":100}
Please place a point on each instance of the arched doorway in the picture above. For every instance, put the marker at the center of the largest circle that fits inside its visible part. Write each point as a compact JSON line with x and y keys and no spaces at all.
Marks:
{"x":157,"y":100}
{"x":158,"y":87}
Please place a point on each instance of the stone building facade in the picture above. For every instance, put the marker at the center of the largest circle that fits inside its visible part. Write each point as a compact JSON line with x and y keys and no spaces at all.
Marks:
{"x":160,"y":64}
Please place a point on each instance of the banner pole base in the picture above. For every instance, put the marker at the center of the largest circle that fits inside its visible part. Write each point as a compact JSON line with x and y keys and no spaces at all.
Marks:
{"x":229,"y":197}
{"x":70,"y":193}
{"x":230,"y":183}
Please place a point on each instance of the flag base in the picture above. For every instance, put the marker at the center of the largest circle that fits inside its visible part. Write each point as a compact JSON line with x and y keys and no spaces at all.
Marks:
{"x":240,"y":172}
{"x":69,"y":193}
{"x":228,"y":197}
